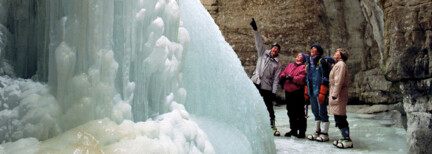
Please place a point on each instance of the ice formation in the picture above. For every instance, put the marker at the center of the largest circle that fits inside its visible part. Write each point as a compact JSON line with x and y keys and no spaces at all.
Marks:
{"x":113,"y":76}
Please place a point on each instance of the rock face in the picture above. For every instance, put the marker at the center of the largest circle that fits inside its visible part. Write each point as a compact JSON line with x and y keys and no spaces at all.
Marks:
{"x":354,"y":25}
{"x":407,"y":60}
{"x":389,"y":41}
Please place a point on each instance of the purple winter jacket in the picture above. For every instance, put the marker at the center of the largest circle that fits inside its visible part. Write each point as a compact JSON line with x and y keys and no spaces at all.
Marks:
{"x":298,"y":72}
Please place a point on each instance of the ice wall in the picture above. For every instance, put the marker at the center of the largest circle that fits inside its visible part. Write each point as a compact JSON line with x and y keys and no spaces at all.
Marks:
{"x":95,"y":55}
{"x":108,"y":63}
{"x":126,"y":50}
{"x":219,"y":91}
{"x":27,"y":109}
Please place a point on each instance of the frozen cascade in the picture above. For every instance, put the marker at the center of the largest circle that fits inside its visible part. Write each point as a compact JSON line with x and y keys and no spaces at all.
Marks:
{"x":219,"y":91}
{"x":118,"y":74}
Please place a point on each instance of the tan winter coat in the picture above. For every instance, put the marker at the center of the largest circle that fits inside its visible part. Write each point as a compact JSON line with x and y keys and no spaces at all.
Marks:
{"x":339,"y":79}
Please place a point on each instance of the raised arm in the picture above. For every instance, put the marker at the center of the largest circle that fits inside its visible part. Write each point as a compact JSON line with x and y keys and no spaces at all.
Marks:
{"x":258,"y":40}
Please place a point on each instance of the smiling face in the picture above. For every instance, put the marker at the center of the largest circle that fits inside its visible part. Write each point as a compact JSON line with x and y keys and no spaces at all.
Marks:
{"x":299,"y":58}
{"x":337,"y":56}
{"x":314,"y":51}
{"x":274,"y":51}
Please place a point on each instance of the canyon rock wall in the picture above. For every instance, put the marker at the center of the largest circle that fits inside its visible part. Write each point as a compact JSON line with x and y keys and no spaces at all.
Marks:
{"x":389,"y":41}
{"x":354,"y":25}
{"x":408,"y":61}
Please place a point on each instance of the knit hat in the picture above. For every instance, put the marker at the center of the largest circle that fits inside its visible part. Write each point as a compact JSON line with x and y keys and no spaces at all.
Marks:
{"x":304,"y":57}
{"x":319,"y":48}
{"x":277,"y":45}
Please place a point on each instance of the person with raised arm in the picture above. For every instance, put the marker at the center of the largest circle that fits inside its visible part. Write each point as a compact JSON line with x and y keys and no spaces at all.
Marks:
{"x":266,"y":74}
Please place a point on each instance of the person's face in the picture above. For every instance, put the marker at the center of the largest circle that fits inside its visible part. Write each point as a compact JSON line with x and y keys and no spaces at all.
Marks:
{"x":299,"y":58}
{"x":337,"y":55}
{"x":274,"y":51}
{"x":314,"y":51}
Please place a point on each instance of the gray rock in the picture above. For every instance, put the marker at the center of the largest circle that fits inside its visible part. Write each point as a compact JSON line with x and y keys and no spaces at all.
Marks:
{"x":298,"y":24}
{"x":419,"y":132}
{"x":390,"y":43}
{"x":407,"y":60}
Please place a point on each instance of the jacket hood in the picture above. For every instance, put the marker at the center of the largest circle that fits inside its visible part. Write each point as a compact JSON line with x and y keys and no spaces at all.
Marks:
{"x":276,"y":58}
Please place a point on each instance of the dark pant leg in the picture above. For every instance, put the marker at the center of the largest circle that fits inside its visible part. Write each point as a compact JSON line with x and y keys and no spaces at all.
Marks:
{"x":295,"y":107}
{"x":341,"y":121}
{"x":290,"y":106}
{"x":298,"y":97}
{"x":342,"y":124}
{"x":268,"y":100}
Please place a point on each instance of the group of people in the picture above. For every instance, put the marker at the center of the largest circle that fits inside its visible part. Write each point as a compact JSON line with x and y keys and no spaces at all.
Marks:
{"x":312,"y":79}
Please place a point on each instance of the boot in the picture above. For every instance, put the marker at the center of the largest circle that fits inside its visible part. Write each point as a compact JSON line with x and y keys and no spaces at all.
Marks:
{"x":276,"y":132}
{"x":343,"y":143}
{"x":273,"y":126}
{"x":345,"y":132}
{"x":317,"y":131}
{"x":346,"y":141}
{"x":272,"y":123}
{"x":301,"y":134}
{"x":291,"y":132}
{"x":345,"y":136}
{"x":323,"y":137}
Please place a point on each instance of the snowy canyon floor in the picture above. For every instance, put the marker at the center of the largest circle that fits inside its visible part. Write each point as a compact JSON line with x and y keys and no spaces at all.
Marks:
{"x":371,"y":133}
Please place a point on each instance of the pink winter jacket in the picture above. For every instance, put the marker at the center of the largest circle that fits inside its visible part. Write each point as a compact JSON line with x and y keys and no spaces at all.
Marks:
{"x":298,"y":72}
{"x":339,"y":79}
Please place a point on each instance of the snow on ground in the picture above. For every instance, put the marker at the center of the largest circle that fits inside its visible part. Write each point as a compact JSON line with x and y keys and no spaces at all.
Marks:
{"x":371,"y":133}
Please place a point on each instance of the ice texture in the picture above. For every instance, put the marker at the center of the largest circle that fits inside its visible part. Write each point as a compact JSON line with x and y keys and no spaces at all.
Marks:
{"x":173,"y":132}
{"x":219,"y":90}
{"x":370,"y":133}
{"x":27,"y":109}
{"x":132,"y":76}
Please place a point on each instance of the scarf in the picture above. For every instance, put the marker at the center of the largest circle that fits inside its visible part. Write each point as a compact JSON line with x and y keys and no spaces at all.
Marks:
{"x":312,"y":59}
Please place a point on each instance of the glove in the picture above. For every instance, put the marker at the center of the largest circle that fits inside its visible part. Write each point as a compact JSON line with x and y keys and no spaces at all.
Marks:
{"x":253,"y":24}
{"x":282,"y":82}
{"x":323,"y":92}
{"x":273,"y":96}
{"x":289,"y":77}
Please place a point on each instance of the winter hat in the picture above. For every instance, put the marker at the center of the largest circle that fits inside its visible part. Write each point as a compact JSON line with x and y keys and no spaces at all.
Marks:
{"x":275,"y":44}
{"x":344,"y":54}
{"x":319,"y":48}
{"x":304,"y":57}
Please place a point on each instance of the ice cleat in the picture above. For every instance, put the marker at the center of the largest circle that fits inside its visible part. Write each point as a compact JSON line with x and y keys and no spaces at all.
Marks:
{"x":276,"y":132}
{"x":317,"y":132}
{"x":336,"y":142}
{"x":314,"y":135}
{"x":273,"y":126}
{"x":323,"y":137}
{"x":343,"y":143}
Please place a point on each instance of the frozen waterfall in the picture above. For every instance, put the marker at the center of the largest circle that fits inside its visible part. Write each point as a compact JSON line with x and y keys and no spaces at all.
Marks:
{"x":123,"y":76}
